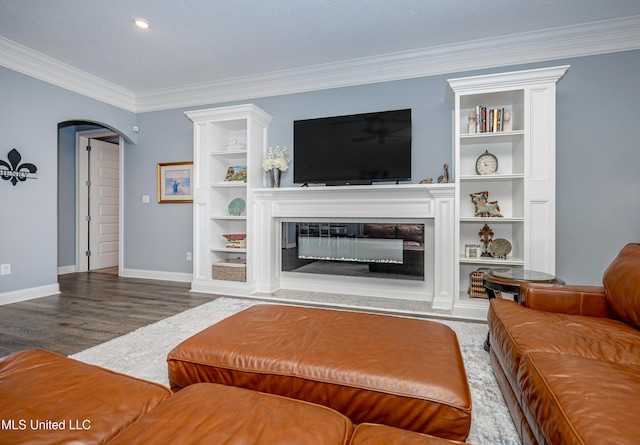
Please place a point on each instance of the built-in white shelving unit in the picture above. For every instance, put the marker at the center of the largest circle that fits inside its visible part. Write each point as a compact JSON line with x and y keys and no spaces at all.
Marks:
{"x":225,"y":137}
{"x":524,"y":184}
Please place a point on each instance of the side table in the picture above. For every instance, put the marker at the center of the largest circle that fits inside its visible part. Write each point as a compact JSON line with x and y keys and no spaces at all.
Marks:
{"x":508,"y":280}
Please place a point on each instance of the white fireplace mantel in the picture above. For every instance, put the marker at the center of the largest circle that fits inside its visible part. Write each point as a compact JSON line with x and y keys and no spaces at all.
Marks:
{"x":432,"y":204}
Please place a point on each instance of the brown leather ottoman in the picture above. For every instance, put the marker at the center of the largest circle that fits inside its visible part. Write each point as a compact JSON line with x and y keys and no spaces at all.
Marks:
{"x":47,"y":398}
{"x":401,"y":372}
{"x":216,"y":414}
{"x":370,"y":434}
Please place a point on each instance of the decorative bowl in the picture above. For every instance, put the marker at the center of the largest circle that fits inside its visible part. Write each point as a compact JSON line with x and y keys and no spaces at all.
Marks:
{"x":235,"y":236}
{"x":500,"y":248}
{"x":237,"y":206}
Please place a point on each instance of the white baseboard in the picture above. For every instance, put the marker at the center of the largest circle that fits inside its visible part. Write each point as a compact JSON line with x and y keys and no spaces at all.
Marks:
{"x":156,"y":275}
{"x":67,"y":269}
{"x":29,"y":294}
{"x":54,"y":289}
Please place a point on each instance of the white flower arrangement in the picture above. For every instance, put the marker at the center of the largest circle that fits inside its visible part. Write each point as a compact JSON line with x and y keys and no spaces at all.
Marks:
{"x":276,"y":159}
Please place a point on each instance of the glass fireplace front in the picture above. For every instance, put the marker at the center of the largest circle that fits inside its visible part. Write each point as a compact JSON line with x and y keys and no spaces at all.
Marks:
{"x":384,"y":250}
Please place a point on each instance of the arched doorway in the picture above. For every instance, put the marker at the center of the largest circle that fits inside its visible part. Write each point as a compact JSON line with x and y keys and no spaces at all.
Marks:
{"x":90,"y":202}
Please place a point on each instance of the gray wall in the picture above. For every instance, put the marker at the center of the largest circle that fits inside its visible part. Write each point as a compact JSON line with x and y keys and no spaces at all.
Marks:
{"x":598,"y":157}
{"x":598,"y":160}
{"x":157,"y":236}
{"x":30,"y":111}
{"x":67,"y":196}
{"x":598,"y":164}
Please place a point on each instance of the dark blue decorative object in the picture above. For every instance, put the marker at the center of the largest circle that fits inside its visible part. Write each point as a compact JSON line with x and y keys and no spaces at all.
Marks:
{"x":14,"y":171}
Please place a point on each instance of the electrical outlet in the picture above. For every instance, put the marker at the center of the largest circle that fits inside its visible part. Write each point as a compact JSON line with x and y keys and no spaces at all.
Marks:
{"x":5,"y":269}
{"x":188,"y":256}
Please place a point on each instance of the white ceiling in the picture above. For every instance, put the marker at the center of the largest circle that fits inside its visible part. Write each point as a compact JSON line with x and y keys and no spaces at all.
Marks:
{"x":218,"y":42}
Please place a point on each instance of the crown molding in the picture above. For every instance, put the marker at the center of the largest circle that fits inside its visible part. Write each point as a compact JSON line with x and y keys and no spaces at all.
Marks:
{"x":552,"y":44}
{"x":572,"y":41}
{"x":40,"y":66}
{"x":504,"y":81}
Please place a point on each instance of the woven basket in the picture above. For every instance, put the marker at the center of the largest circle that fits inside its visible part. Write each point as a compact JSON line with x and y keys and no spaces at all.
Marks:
{"x":476,"y":288}
{"x":230,"y":270}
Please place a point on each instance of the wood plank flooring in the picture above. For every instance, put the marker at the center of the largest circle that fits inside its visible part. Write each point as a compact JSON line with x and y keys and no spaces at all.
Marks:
{"x":92,"y":308}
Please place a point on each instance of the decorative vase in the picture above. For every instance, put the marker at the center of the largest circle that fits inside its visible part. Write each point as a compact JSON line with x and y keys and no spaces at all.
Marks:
{"x":275,"y":174}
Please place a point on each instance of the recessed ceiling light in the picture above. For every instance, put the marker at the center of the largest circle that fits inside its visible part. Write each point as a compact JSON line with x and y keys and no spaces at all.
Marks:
{"x":141,"y":23}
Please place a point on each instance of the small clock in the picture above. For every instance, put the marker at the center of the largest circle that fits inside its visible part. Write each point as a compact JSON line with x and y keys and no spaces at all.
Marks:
{"x":487,"y":164}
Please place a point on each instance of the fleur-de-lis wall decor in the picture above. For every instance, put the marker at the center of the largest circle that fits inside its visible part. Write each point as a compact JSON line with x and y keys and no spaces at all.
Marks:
{"x":14,"y":171}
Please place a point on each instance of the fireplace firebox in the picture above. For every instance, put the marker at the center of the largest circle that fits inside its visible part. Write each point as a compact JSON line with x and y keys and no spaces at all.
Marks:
{"x":367,"y":249}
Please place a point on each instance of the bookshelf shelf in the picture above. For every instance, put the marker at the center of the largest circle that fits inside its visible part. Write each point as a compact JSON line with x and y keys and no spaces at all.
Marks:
{"x":220,"y":135}
{"x":524,"y":184}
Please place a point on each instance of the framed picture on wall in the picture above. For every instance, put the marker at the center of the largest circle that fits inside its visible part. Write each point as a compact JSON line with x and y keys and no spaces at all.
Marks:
{"x":175,"y":181}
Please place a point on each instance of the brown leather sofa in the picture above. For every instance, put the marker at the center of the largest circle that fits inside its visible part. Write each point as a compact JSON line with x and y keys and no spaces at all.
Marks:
{"x":46,"y":398}
{"x":412,"y":236}
{"x":567,"y":358}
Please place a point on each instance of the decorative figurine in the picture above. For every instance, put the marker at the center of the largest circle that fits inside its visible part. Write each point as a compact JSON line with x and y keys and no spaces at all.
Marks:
{"x":427,"y":181}
{"x":506,"y":120}
{"x":234,"y":144}
{"x":472,"y":120}
{"x":445,"y":175}
{"x":485,"y":235}
{"x":484,"y":207}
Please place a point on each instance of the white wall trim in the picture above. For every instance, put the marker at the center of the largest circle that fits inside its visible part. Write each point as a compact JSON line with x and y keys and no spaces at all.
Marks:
{"x":29,"y":294}
{"x":571,"y":41}
{"x":35,"y":64}
{"x":63,"y":270}
{"x":156,"y":275}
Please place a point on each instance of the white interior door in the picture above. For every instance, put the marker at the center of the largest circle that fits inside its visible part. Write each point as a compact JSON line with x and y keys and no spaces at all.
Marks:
{"x":103,"y":204}
{"x":98,"y":203}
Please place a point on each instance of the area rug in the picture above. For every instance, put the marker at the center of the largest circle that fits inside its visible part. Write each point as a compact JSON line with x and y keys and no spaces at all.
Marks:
{"x":142,"y":353}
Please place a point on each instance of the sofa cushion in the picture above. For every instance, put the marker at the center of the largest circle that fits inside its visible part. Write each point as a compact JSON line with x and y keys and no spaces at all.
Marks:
{"x":372,"y":434}
{"x":410,"y":232}
{"x":78,"y":403}
{"x":622,"y":284}
{"x":387,"y":231}
{"x":207,"y":413}
{"x":516,"y":330}
{"x":578,"y":400}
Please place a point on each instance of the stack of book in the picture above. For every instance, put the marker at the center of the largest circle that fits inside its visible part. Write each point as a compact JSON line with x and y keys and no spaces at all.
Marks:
{"x":490,"y":120}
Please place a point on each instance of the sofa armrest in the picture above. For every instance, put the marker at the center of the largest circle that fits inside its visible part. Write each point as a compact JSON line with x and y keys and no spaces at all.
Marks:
{"x":565,"y":299}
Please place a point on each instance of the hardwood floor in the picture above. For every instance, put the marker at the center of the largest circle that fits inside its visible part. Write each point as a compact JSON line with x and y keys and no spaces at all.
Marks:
{"x":92,"y":308}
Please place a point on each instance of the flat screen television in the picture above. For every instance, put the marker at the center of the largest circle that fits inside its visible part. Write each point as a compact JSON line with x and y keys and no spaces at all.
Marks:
{"x":353,"y":149}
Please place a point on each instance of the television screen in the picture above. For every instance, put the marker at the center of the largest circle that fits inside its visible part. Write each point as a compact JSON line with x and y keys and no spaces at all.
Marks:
{"x":353,"y":149}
